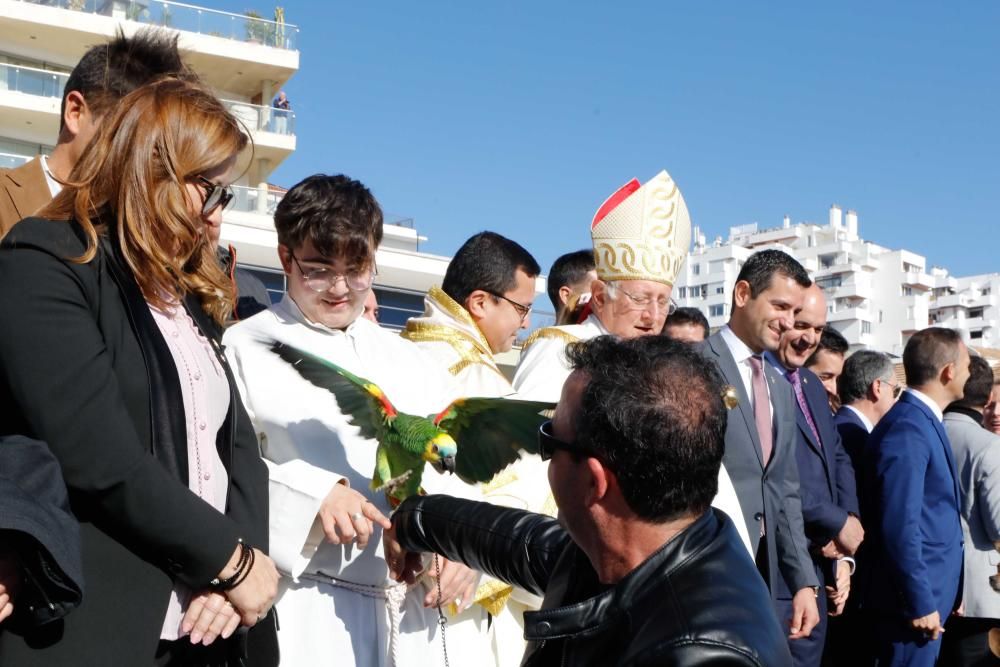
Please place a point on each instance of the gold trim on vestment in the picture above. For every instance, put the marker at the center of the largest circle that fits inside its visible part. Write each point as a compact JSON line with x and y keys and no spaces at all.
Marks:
{"x":470,"y":349}
{"x":548,"y":332}
{"x":502,"y":478}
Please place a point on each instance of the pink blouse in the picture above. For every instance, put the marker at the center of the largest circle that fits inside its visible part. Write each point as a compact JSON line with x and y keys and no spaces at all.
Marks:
{"x":206,"y":403}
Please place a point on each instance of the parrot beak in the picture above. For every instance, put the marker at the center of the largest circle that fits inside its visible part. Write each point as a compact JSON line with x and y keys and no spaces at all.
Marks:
{"x":441,"y":451}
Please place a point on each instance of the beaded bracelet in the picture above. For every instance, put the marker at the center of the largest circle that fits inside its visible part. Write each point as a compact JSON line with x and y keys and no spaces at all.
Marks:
{"x":243,"y":566}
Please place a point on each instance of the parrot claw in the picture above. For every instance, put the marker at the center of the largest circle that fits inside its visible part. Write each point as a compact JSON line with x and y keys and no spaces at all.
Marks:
{"x":396,"y":482}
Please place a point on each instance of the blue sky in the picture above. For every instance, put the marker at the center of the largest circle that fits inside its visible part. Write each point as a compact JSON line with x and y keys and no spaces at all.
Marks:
{"x":521,"y":117}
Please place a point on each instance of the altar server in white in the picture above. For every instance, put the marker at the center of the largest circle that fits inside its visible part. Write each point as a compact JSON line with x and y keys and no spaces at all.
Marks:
{"x":641,"y":236}
{"x":337,"y":604}
{"x":484,"y":300}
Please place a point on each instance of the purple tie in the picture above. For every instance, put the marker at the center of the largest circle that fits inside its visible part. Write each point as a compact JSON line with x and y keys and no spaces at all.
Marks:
{"x":796,"y":381}
{"x":761,"y":406}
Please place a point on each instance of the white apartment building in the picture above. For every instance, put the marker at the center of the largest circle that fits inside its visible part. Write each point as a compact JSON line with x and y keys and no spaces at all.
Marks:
{"x":971,"y":305}
{"x":876,"y":297}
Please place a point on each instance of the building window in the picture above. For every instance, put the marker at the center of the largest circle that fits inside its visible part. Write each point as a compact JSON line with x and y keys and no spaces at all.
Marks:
{"x":717,"y":310}
{"x":273,"y":279}
{"x":907,"y":290}
{"x":976,"y":335}
{"x":682,"y":292}
{"x":720,"y":289}
{"x":975,"y":312}
{"x":866,"y":327}
{"x":881,"y":317}
{"x":986,"y":291}
{"x":829,"y":281}
{"x":696,"y":269}
{"x":396,"y":306}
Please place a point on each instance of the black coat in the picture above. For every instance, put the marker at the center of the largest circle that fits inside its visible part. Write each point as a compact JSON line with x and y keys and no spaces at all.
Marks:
{"x":38,"y":530}
{"x":84,"y":368}
{"x":697,"y":601}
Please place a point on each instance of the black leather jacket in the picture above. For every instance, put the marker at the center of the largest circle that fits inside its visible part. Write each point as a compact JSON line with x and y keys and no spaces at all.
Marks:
{"x":699,"y":600}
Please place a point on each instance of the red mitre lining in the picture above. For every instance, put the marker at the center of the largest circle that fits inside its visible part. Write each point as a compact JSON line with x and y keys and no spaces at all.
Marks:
{"x":623,"y":193}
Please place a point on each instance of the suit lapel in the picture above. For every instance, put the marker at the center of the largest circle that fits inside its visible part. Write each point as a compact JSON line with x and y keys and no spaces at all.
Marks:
{"x":28,"y":189}
{"x":732,"y":374}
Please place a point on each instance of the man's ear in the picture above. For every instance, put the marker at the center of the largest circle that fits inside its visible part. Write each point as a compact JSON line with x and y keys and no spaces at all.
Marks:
{"x":947,"y":373}
{"x":565,"y":292}
{"x":741,"y":293}
{"x":475,"y":303}
{"x":285,"y":256}
{"x":601,"y":480}
{"x":74,"y":110}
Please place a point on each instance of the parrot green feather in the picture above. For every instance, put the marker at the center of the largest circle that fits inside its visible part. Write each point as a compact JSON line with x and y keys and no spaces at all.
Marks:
{"x":474,"y":438}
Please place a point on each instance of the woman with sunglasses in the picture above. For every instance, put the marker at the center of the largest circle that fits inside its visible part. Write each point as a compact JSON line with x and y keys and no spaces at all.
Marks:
{"x":113,"y":302}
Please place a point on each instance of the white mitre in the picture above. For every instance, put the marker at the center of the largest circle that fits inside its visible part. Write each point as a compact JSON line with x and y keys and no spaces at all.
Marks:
{"x":642,"y":232}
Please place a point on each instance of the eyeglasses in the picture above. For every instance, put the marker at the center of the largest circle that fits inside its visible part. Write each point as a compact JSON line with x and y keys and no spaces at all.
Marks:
{"x":521,"y":309}
{"x":548,"y":444}
{"x":215,"y":195}
{"x":643,"y":301}
{"x":897,"y":389}
{"x":322,"y":280}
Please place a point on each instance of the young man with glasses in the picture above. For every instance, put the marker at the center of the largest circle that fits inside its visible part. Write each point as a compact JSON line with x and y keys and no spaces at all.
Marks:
{"x":641,"y":236}
{"x":336,"y":602}
{"x":638,"y":569}
{"x":482,"y":304}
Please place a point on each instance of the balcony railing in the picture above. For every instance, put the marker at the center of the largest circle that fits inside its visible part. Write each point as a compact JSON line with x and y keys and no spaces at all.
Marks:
{"x":254,"y":200}
{"x":248,"y":27}
{"x":32,"y":81}
{"x":12,"y":161}
{"x":263,"y":119}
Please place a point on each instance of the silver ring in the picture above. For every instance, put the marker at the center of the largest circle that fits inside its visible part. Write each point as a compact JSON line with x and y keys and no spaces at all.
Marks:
{"x":357,"y":516}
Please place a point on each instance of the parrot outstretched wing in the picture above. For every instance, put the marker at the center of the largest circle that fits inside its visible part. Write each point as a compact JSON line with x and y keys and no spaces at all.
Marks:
{"x":491,"y":432}
{"x":362,"y":400}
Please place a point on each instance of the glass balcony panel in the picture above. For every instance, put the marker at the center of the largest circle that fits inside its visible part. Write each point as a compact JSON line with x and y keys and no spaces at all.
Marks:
{"x":248,"y":27}
{"x":263,"y":119}
{"x":11,"y":161}
{"x":32,"y":81}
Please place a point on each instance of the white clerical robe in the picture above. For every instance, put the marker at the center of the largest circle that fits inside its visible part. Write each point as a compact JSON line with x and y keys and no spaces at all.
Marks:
{"x":449,"y":335}
{"x":543,"y":370}
{"x":336,"y":603}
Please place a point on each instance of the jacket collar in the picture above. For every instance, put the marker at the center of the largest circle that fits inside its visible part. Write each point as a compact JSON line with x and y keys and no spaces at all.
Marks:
{"x":607,"y":607}
{"x":30,"y":191}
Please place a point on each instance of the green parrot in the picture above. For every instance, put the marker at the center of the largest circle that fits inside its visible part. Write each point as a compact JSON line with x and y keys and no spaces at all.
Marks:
{"x":474,"y":438}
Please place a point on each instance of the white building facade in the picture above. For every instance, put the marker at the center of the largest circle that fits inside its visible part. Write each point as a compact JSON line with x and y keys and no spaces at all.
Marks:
{"x":876,"y":297}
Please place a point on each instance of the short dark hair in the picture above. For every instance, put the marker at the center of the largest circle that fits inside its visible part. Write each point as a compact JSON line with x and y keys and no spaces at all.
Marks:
{"x":687,"y":315}
{"x":760,"y":268}
{"x":978,"y":387}
{"x":337,"y":213}
{"x":927,"y":352}
{"x":108,"y":72}
{"x":860,"y":371}
{"x":652,"y":409}
{"x":568,"y":269}
{"x":487,"y":262}
{"x":831,"y":341}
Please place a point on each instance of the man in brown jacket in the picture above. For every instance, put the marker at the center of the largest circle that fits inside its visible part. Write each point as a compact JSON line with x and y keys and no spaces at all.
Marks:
{"x":105,"y":74}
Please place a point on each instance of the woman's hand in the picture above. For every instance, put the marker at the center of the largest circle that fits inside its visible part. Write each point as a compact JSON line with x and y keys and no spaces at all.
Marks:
{"x":347,"y":515}
{"x":255,"y":594}
{"x":210,"y":615}
{"x":10,"y":577}
{"x":454,"y":581}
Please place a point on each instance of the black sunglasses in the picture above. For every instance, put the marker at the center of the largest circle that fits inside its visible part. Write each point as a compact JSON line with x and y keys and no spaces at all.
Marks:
{"x":548,"y":444}
{"x":215,"y":195}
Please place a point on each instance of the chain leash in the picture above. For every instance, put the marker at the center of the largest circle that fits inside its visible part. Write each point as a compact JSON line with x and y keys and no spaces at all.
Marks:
{"x":442,"y":619}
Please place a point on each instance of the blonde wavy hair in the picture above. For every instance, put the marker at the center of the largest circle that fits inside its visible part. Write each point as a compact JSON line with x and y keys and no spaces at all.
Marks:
{"x":130,"y":182}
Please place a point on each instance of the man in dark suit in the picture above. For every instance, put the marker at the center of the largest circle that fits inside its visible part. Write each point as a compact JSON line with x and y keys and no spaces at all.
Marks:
{"x":826,"y":478}
{"x":867,"y":388}
{"x":761,"y":432}
{"x":912,"y":489}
